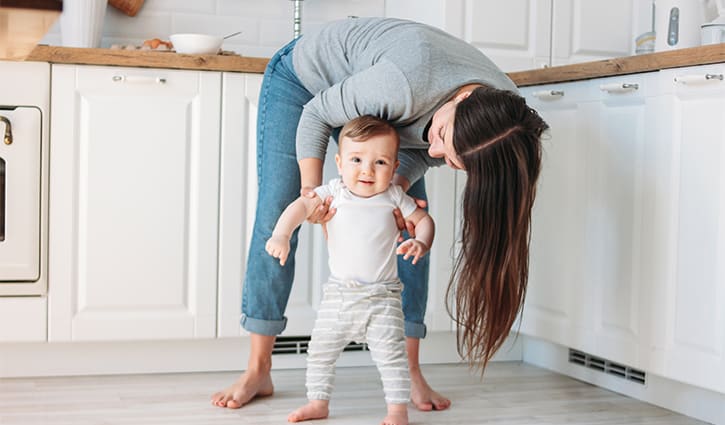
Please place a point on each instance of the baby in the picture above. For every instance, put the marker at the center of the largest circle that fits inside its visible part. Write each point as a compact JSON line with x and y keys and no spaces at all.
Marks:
{"x":361,"y":301}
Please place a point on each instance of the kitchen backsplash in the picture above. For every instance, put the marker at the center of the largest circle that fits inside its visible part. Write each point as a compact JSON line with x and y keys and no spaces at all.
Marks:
{"x":266,"y":24}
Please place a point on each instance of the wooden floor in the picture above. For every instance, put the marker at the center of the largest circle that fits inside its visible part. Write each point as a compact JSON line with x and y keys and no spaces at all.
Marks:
{"x":511,"y":394}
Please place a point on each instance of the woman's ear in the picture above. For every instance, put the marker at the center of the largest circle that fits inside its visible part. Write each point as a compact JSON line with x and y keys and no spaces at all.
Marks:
{"x":459,"y":97}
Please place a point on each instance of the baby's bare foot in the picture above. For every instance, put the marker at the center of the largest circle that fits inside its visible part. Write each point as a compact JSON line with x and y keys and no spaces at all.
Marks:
{"x":397,"y":415}
{"x":423,"y":396}
{"x":315,"y":409}
{"x":249,"y":385}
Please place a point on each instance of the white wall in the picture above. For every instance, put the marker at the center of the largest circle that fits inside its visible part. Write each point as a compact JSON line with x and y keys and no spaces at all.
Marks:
{"x":267,"y":24}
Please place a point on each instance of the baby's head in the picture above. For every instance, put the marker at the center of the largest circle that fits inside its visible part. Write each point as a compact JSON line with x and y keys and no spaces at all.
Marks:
{"x":367,"y":155}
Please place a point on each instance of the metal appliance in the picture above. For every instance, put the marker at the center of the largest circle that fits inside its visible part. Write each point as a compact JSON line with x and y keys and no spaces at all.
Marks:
{"x":24,"y":107}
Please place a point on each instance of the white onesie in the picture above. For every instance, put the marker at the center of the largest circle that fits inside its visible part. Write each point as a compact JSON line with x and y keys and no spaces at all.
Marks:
{"x":361,"y":302}
{"x":363,"y":235}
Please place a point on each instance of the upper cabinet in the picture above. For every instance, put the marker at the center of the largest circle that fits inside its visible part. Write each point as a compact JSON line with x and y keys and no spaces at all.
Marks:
{"x":530,"y":34}
{"x":516,"y":36}
{"x":585,"y":30}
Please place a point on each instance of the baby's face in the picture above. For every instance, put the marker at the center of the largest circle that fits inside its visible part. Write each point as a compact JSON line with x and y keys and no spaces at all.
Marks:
{"x":367,"y":167}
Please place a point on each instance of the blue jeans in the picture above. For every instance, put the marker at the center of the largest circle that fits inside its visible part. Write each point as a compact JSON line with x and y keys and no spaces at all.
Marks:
{"x":267,"y":285}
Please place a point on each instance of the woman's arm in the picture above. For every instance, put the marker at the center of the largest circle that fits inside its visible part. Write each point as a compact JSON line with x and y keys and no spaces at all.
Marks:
{"x":380,"y":90}
{"x":310,"y":174}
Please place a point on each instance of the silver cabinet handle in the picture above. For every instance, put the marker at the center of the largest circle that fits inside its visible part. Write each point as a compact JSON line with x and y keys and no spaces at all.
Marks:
{"x":548,"y":94}
{"x":699,"y":78}
{"x":619,"y":87}
{"x":138,"y":79}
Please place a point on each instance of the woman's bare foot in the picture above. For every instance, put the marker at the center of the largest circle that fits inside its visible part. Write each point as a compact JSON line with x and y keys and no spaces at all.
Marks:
{"x":315,"y":409}
{"x":423,"y":396}
{"x":397,"y":415}
{"x":250,"y":384}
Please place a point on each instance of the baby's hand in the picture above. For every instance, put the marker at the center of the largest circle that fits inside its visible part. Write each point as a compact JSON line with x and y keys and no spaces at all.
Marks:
{"x":412,"y":248}
{"x":278,"y":247}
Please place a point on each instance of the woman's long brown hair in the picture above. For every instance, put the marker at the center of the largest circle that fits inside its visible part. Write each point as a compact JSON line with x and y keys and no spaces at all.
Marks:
{"x":498,"y":138}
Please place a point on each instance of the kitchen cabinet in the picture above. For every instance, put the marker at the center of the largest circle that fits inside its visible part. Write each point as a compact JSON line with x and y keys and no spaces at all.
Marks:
{"x":24,"y":111}
{"x":554,"y":309}
{"x":530,"y":34}
{"x":586,"y":271}
{"x":134,"y":203}
{"x":689,"y":301}
{"x":615,"y":215}
{"x":238,"y":200}
{"x":627,"y":233}
{"x":583,"y":31}
{"x":515,"y":37}
{"x":444,"y":206}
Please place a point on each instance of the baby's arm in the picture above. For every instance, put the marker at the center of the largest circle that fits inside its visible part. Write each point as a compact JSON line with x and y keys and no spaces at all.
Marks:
{"x":424,"y":232}
{"x":295,"y":214}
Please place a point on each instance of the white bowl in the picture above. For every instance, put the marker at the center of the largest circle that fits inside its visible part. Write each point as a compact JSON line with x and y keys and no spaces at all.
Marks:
{"x":196,"y":44}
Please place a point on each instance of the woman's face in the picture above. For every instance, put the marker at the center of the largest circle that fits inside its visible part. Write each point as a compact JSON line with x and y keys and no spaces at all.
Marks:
{"x":440,"y":134}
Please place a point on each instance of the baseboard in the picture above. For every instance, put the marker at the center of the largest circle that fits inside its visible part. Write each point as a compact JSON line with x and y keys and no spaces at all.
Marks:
{"x":701,"y":404}
{"x":208,"y":355}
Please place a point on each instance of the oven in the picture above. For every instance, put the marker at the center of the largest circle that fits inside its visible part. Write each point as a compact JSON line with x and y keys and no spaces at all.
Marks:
{"x":24,"y":123}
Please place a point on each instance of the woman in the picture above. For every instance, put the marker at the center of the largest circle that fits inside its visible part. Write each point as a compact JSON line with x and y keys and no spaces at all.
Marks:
{"x":430,"y":86}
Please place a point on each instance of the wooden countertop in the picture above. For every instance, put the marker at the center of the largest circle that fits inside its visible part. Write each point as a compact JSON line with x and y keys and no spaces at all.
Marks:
{"x":702,"y":55}
{"x":234,"y":63}
{"x":147,"y":59}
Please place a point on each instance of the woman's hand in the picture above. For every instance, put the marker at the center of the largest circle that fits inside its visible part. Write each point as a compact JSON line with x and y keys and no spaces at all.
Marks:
{"x":412,"y":248}
{"x":323,"y":213}
{"x":403,"y":224}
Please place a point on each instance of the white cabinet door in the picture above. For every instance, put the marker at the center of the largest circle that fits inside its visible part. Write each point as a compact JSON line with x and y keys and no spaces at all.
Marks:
{"x":444,"y":200}
{"x":593,"y":249}
{"x":618,"y":164}
{"x":585,"y":30}
{"x":557,"y":281}
{"x":530,"y":34}
{"x":238,"y":200}
{"x":240,"y":97}
{"x":516,"y":36}
{"x":693,"y":290}
{"x":134,"y":203}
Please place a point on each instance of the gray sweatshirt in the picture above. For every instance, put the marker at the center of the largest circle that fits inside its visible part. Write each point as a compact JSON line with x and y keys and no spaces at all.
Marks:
{"x":398,"y":70}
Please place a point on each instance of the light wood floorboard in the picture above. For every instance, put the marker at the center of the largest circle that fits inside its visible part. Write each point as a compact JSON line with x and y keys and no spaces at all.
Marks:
{"x":512,"y":394}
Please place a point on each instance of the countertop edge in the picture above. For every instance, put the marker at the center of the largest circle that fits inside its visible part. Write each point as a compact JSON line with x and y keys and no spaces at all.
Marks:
{"x":147,"y":59}
{"x":693,"y":56}
{"x":701,"y":55}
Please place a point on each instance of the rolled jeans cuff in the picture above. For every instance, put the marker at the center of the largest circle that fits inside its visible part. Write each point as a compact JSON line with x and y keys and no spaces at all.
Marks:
{"x":415,"y":330}
{"x":263,"y":327}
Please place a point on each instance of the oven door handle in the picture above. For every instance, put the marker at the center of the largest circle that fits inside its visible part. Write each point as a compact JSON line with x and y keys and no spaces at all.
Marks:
{"x":8,"y":130}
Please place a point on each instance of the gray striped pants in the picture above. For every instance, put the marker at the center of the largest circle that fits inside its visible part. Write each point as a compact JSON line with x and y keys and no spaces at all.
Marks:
{"x":351,"y":311}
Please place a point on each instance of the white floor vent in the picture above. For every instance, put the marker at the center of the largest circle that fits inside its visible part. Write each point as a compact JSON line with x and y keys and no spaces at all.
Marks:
{"x":299,"y":344}
{"x":606,"y":366}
